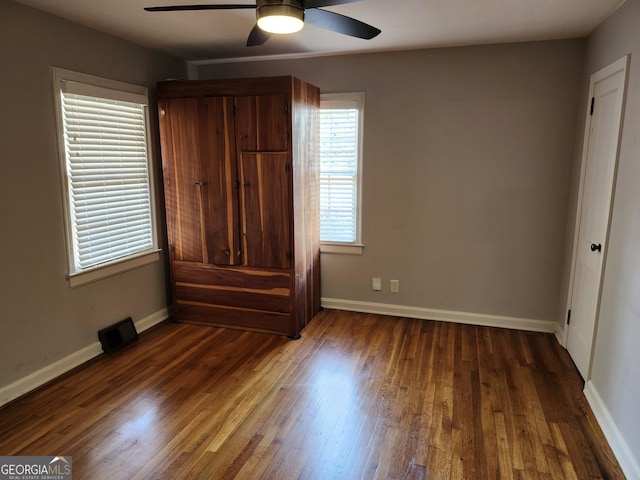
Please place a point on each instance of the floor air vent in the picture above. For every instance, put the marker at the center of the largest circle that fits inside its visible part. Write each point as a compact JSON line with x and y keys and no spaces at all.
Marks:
{"x":117,"y":335}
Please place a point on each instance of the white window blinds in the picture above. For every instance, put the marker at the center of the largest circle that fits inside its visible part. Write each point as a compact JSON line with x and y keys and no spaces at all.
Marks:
{"x":107,"y":174}
{"x":339,"y":170}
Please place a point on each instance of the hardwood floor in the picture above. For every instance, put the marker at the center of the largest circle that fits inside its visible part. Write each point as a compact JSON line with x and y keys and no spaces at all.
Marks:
{"x":358,"y":397}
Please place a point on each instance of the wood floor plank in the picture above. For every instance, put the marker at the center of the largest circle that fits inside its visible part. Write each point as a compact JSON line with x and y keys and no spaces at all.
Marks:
{"x":360,"y":396}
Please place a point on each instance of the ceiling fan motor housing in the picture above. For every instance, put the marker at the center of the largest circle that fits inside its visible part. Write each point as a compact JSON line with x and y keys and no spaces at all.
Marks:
{"x":287,"y":8}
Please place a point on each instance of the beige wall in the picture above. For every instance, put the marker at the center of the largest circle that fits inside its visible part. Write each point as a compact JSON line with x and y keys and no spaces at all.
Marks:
{"x":467,"y":160}
{"x":615,"y":377}
{"x":41,"y":319}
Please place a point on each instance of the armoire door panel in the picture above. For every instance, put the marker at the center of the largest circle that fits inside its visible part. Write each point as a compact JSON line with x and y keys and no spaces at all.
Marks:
{"x":219,"y":196}
{"x":179,"y":132}
{"x":265,"y":192}
{"x":262,"y":123}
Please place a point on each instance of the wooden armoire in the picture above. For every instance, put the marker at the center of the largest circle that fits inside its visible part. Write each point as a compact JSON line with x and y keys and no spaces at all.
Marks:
{"x":241,"y":185}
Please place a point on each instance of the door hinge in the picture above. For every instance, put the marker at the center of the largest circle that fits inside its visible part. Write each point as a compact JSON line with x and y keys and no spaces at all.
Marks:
{"x":289,"y":256}
{"x":162,"y":112}
{"x":593,"y":103}
{"x":569,"y":317}
{"x":287,"y":167}
{"x":286,"y":108}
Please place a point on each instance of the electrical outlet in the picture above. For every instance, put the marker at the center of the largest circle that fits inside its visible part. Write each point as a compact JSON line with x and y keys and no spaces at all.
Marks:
{"x":376,"y":283}
{"x":394,"y":286}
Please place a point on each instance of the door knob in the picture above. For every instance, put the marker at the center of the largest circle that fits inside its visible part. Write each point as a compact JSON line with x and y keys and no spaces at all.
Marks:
{"x":597,"y":247}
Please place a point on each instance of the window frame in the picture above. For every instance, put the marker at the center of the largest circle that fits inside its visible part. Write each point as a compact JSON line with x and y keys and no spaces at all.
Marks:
{"x":90,"y":83}
{"x":349,"y":100}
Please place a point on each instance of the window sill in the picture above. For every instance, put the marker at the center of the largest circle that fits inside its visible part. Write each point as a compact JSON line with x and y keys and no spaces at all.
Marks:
{"x":341,"y":248}
{"x":103,"y":271}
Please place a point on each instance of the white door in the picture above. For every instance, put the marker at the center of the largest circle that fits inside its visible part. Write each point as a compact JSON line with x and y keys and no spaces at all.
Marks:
{"x":597,"y":183}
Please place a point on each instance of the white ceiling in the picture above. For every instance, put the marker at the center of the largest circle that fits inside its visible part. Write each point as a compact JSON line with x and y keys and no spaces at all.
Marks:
{"x":405,"y":24}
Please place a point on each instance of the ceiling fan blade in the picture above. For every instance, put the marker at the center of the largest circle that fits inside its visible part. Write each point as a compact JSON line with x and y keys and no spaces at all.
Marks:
{"x":179,"y":8}
{"x":257,"y":37}
{"x":340,"y":23}
{"x":324,"y":3}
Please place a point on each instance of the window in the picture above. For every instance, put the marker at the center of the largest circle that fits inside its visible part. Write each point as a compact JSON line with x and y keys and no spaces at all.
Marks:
{"x":106,"y":176}
{"x":340,"y":172}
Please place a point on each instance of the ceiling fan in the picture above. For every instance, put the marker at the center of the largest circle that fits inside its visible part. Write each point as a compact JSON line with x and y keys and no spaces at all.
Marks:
{"x":288,"y":16}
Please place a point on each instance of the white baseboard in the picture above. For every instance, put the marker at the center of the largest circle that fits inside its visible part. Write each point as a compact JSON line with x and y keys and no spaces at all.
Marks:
{"x":48,"y":373}
{"x":54,"y":370}
{"x":481,"y":319}
{"x":559,"y":333}
{"x":152,"y":320}
{"x":621,"y":450}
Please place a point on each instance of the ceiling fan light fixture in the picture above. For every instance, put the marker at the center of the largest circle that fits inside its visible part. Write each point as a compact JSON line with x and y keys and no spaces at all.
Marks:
{"x":280,"y":18}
